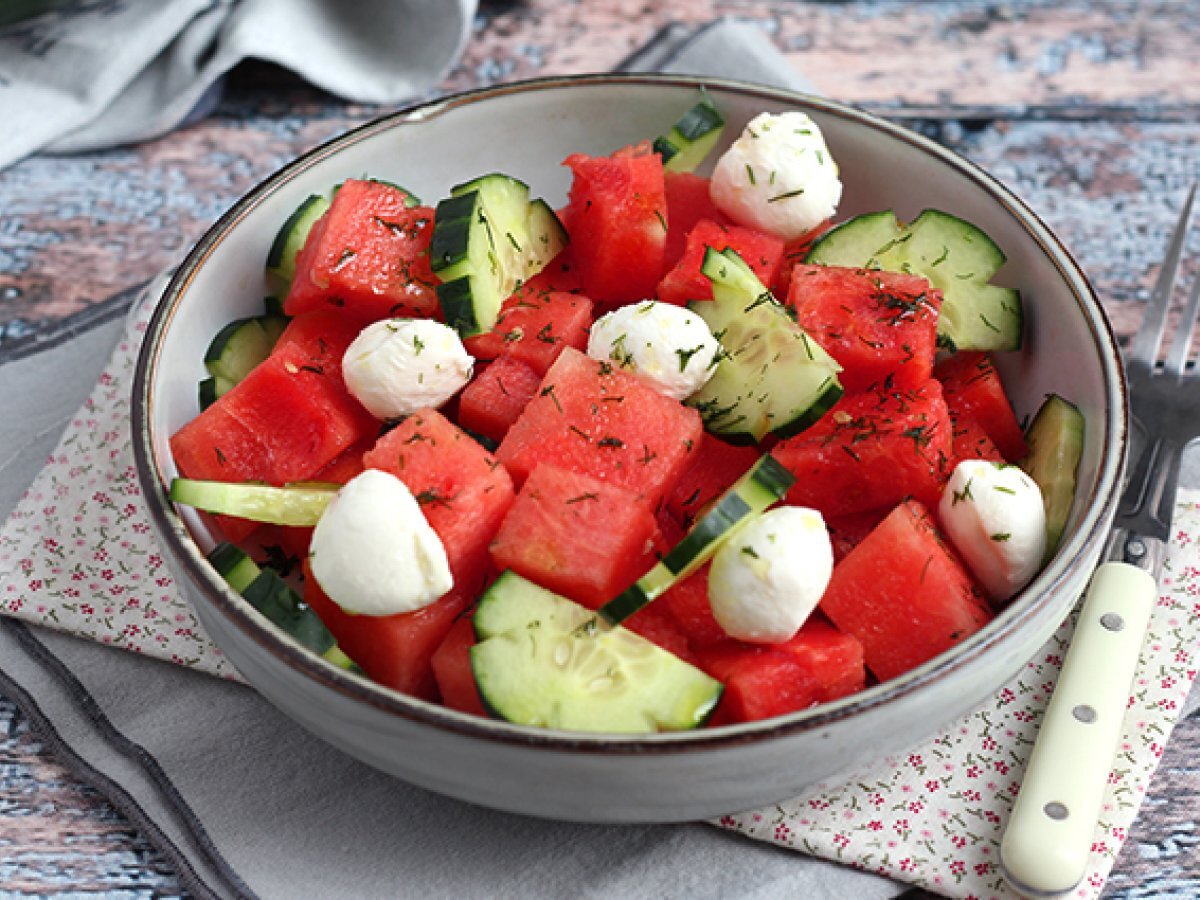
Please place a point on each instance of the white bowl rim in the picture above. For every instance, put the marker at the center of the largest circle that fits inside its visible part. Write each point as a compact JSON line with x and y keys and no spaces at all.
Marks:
{"x":228,"y":603}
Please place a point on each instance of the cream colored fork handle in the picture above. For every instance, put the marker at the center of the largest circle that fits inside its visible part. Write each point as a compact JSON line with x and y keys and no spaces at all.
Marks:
{"x":1053,"y":823}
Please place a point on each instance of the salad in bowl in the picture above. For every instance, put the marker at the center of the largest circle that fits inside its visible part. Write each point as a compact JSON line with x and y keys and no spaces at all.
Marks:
{"x":691,"y":442}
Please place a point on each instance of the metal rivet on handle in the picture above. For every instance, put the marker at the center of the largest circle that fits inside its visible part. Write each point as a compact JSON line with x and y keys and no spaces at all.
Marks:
{"x":1084,"y":713}
{"x":1112,"y":621}
{"x":1055,"y":810}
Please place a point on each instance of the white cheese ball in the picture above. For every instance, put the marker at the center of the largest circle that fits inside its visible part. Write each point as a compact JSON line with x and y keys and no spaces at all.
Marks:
{"x":769,"y":576}
{"x":994,"y":517}
{"x":397,"y":366}
{"x":778,"y":176}
{"x":374,"y":553}
{"x":669,"y":346}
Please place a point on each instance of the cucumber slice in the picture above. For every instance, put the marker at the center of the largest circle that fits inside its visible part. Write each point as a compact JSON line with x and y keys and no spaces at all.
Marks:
{"x":543,"y":660}
{"x":294,"y":504}
{"x":1055,"y":438}
{"x":488,"y":238}
{"x":281,"y":258}
{"x":238,"y":348}
{"x":209,"y":389}
{"x":686,"y":145}
{"x":772,"y":376}
{"x":274,"y":598}
{"x":955,"y":256}
{"x":762,"y":485}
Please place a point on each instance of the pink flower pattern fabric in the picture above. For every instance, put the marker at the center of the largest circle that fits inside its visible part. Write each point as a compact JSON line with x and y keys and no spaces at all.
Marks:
{"x":78,"y":554}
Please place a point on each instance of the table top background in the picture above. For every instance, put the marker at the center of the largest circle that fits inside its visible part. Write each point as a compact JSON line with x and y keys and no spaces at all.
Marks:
{"x":1088,"y":109}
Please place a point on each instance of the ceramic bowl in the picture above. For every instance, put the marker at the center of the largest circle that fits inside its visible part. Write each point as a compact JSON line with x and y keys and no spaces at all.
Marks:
{"x":526,"y":130}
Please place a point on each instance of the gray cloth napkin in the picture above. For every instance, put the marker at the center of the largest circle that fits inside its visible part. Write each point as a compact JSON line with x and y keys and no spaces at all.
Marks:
{"x":88,"y":75}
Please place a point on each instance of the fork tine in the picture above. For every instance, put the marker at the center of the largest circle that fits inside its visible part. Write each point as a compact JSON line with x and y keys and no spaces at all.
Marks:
{"x":1144,"y":352}
{"x":1181,"y":340}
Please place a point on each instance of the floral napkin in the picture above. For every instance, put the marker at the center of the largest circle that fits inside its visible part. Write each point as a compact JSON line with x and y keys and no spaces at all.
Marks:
{"x":78,"y":554}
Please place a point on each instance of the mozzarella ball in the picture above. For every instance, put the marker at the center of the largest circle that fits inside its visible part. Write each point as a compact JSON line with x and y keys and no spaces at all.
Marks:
{"x":778,"y":176}
{"x":770,"y":574}
{"x":669,"y":346}
{"x":994,"y":517}
{"x":374,"y":553}
{"x":397,"y":366}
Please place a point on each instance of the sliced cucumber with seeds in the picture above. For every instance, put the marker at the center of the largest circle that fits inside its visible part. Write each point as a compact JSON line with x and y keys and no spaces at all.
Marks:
{"x":772,"y":377}
{"x":1055,"y":438}
{"x":488,"y":238}
{"x":693,"y":137}
{"x":955,"y":256}
{"x":294,"y":504}
{"x":764,"y":484}
{"x":281,"y":258}
{"x":267,"y":592}
{"x":546,"y":661}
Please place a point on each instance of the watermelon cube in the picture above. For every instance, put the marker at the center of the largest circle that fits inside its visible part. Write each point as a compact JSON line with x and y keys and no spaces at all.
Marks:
{"x":871,"y":450}
{"x":760,"y":682}
{"x":972,"y":385}
{"x":617,"y":221}
{"x":367,"y":256}
{"x":576,"y":535}
{"x":687,"y":602}
{"x":685,"y":282}
{"x":462,"y":489}
{"x":834,"y":658}
{"x":451,"y":664}
{"x":904,"y":594}
{"x":535,"y":327}
{"x":880,"y":326}
{"x":496,"y":397}
{"x":688,"y":201}
{"x":396,"y":651}
{"x":714,"y":467}
{"x":593,"y":418}
{"x":283,"y":422}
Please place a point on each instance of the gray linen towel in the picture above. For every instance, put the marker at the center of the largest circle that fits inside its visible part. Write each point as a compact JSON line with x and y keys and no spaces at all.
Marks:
{"x":89,"y":75}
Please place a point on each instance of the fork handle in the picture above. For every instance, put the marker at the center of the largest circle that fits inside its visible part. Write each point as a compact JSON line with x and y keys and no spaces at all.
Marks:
{"x":1053,"y":822}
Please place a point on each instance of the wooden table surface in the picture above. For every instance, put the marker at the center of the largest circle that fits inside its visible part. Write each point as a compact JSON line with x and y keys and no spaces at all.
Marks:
{"x":1088,"y":110}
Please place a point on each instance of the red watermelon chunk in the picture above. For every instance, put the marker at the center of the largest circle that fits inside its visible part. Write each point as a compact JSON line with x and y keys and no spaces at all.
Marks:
{"x":834,"y":658}
{"x":323,"y":336}
{"x":972,"y":385}
{"x":685,"y":282}
{"x":462,"y":489}
{"x":283,"y":422}
{"x":794,"y":252}
{"x":368,"y":256}
{"x":871,"y":450}
{"x":535,"y":327}
{"x":687,"y":602}
{"x":657,"y":625}
{"x":451,"y":664}
{"x":617,"y":221}
{"x":847,"y":532}
{"x":760,"y":682}
{"x":880,"y":326}
{"x":575,"y":535}
{"x":688,"y":201}
{"x":496,"y":397}
{"x":593,"y":418}
{"x":971,"y":442}
{"x":397,"y":650}
{"x":904,"y":594}
{"x":296,"y":540}
{"x":714,"y":467}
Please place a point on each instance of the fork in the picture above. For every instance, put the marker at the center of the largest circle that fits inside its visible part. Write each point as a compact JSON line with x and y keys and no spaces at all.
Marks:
{"x":1050,"y":831}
